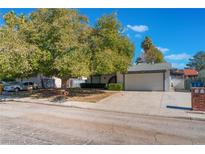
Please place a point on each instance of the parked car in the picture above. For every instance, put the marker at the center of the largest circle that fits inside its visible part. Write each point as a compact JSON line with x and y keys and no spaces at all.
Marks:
{"x":29,"y":85}
{"x":3,"y":82}
{"x":17,"y":86}
{"x":13,"y":86}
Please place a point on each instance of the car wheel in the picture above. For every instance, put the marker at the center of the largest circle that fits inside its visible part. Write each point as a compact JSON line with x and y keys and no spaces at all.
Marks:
{"x":17,"y":89}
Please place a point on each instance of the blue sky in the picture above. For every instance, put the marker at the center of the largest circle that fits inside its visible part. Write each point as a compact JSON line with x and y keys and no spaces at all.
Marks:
{"x":179,"y":33}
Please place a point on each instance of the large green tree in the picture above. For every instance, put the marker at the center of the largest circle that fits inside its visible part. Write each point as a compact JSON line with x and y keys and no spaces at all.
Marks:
{"x":111,"y":51}
{"x":198,"y":61}
{"x":59,"y":42}
{"x":18,"y":59}
{"x":62,"y":36}
{"x":151,"y":53}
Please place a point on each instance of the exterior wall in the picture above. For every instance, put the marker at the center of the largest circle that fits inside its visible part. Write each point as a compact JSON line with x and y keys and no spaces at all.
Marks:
{"x":95,"y":79}
{"x":177,"y":82}
{"x":57,"y":82}
{"x":100,"y":79}
{"x":75,"y":83}
{"x":119,"y":78}
{"x":167,"y":80}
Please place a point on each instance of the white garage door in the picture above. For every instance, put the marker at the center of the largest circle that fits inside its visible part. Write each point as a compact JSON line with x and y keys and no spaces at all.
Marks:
{"x":146,"y":81}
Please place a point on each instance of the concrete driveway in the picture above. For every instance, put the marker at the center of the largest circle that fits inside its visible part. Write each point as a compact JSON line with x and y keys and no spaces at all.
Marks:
{"x":149,"y":103}
{"x":144,"y":103}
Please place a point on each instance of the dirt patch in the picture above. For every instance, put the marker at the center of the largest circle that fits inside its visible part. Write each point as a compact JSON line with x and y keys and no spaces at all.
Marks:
{"x":92,"y":98}
{"x":73,"y":94}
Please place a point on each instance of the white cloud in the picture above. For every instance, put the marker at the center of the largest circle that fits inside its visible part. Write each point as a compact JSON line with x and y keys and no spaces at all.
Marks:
{"x":138,"y":28}
{"x":124,"y":30}
{"x":178,"y":65}
{"x":163,"y":50}
{"x":182,"y":56}
{"x":138,"y":36}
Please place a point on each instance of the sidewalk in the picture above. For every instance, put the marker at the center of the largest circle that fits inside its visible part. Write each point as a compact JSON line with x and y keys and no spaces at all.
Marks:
{"x":108,"y":104}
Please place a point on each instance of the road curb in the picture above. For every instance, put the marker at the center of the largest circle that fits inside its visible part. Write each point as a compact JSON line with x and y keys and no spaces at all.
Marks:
{"x":119,"y":112}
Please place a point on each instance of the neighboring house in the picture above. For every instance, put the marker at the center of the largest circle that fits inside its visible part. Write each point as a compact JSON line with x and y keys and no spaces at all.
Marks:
{"x":146,"y":77}
{"x":190,"y":73}
{"x":140,"y":77}
{"x":53,"y":82}
{"x":43,"y":81}
{"x":177,"y":79}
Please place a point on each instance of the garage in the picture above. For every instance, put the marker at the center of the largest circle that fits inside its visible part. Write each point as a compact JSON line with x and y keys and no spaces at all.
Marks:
{"x":144,"y":82}
{"x":146,"y":77}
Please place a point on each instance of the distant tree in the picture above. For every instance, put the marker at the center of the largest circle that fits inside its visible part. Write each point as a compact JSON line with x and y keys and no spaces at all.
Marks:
{"x":198,"y":61}
{"x":154,"y":55}
{"x":146,"y":44}
{"x":139,"y":60}
{"x":151,"y":53}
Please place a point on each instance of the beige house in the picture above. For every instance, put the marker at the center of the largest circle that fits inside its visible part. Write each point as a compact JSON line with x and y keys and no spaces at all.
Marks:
{"x":141,"y":77}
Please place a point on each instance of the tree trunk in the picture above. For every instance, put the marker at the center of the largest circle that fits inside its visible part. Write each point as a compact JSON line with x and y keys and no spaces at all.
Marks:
{"x":91,"y":79}
{"x":64,"y":83}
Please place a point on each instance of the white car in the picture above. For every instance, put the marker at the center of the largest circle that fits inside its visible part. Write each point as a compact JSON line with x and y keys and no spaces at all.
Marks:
{"x":13,"y":86}
{"x":17,"y":86}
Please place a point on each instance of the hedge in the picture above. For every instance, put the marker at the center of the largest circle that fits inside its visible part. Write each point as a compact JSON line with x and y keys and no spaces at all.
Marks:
{"x":115,"y":86}
{"x":93,"y":85}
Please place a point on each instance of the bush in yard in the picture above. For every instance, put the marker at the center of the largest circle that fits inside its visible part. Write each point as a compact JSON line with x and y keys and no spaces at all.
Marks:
{"x":93,"y":85}
{"x":115,"y":86}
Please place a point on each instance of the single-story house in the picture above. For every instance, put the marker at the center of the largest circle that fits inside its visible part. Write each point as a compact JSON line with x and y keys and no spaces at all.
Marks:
{"x":146,"y":77}
{"x":177,"y":79}
{"x":190,"y":73}
{"x":140,"y":77}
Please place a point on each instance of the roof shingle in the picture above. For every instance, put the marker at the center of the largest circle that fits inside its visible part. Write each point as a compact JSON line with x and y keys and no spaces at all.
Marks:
{"x":188,"y":72}
{"x":149,"y":67}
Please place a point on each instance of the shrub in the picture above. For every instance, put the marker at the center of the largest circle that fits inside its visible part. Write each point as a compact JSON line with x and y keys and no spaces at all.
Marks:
{"x":115,"y":86}
{"x":93,"y":85}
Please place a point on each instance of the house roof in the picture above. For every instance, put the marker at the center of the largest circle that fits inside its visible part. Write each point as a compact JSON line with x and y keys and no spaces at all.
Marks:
{"x":149,"y":67}
{"x":190,"y":72}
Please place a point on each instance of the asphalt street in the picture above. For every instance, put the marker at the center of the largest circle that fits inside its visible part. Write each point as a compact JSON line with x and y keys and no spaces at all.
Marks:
{"x":28,"y":123}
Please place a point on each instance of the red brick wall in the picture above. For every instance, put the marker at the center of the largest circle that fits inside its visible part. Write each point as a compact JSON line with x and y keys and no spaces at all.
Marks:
{"x":198,"y":99}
